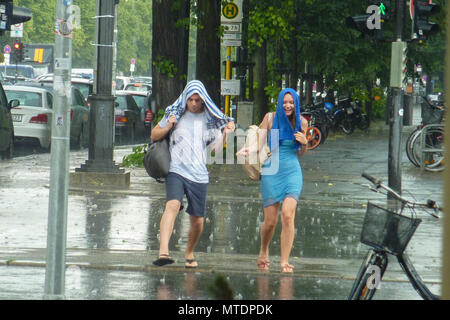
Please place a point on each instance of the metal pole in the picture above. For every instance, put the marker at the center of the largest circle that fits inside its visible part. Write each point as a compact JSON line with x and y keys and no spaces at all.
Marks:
{"x":228,"y":77}
{"x":446,"y":238}
{"x":59,"y":172}
{"x":116,"y":31}
{"x":396,"y":116}
{"x":101,"y":117}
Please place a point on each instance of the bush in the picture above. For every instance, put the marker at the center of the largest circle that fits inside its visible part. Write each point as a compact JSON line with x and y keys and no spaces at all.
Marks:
{"x":134,"y":159}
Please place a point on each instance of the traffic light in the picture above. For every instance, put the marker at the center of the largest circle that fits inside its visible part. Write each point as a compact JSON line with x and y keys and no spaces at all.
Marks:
{"x":11,"y":15}
{"x":421,"y":27}
{"x":18,"y":52}
{"x":399,"y":60}
{"x":369,"y":24}
{"x":385,"y":9}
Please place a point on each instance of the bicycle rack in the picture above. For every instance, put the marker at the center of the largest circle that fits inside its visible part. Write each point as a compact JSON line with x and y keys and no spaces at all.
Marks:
{"x":423,"y":147}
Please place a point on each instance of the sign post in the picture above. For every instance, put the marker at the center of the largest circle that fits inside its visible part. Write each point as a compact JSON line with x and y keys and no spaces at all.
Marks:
{"x":17,"y":30}
{"x":132,"y":65}
{"x":231,"y":20}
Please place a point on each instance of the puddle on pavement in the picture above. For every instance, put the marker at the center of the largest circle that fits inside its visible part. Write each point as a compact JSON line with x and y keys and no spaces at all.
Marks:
{"x":91,"y":284}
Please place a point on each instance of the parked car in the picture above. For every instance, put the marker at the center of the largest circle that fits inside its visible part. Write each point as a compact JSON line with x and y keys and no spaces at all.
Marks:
{"x":120,"y":82}
{"x":139,"y":86}
{"x":84,"y":84}
{"x":143,"y":101}
{"x":6,"y":125}
{"x":13,"y":72}
{"x":32,"y":120}
{"x":128,"y":121}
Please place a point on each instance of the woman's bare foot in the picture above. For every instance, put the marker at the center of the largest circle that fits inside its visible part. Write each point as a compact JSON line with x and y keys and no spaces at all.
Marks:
{"x":263,"y":263}
{"x":287,"y":268}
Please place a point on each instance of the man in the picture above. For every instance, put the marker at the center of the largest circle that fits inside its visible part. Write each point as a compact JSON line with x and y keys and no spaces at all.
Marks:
{"x":194,"y":122}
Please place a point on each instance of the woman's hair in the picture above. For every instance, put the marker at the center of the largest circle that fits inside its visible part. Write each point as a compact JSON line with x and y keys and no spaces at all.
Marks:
{"x":291,"y":118}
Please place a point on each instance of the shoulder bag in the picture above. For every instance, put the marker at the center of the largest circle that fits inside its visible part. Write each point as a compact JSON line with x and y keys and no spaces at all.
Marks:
{"x":255,"y":160}
{"x":156,"y":159}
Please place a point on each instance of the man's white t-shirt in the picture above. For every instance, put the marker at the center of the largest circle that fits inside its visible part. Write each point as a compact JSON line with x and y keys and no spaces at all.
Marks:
{"x":188,"y":143}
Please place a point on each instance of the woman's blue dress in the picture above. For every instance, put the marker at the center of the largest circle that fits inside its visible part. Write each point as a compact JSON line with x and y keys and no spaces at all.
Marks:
{"x":281,"y":175}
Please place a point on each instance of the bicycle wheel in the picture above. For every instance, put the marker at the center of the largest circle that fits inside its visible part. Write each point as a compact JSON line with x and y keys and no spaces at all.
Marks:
{"x":409,"y":146}
{"x":369,"y":276}
{"x":347,"y":125}
{"x":313,"y":136}
{"x":416,"y":281}
{"x":433,"y":161}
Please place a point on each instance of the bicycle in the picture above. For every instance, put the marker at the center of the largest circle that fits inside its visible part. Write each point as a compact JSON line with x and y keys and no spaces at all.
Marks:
{"x":424,"y":146}
{"x":389,"y":232}
{"x":428,"y":139}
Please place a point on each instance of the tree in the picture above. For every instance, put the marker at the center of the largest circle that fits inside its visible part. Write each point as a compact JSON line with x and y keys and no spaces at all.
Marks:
{"x":269,"y":22}
{"x":169,"y":50}
{"x":208,"y":46}
{"x":135,"y":36}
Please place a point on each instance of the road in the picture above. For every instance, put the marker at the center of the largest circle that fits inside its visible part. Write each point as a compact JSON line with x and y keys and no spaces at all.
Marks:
{"x":112,"y":235}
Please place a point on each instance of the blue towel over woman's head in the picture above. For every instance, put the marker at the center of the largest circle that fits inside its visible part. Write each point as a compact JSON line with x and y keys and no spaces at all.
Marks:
{"x":281,"y":121}
{"x":216,"y":119}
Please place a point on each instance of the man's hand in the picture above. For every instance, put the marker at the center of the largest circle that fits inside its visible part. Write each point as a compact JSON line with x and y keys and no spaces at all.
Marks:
{"x":172,"y":121}
{"x":229,"y":128}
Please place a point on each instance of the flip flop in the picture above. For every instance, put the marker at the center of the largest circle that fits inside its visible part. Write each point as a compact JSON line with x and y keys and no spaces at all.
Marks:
{"x":190,"y":261}
{"x":162,"y":260}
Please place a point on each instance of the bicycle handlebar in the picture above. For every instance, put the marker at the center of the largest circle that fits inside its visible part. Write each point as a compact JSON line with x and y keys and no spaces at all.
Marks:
{"x":431,"y":204}
{"x":371,"y":179}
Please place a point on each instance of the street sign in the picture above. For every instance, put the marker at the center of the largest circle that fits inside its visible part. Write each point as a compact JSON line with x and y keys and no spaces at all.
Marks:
{"x":133,"y":61}
{"x":230,"y":87}
{"x":231,"y":11}
{"x":231,"y":27}
{"x":7,"y":49}
{"x":232,"y":36}
{"x":17,"y":30}
{"x":7,"y":57}
{"x":231,"y":43}
{"x":231,"y":22}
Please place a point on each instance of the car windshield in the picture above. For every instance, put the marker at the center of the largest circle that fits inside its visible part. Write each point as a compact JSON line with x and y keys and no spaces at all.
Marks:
{"x":24,"y":71}
{"x":30,"y":99}
{"x":122,"y":102}
{"x":138,"y":87}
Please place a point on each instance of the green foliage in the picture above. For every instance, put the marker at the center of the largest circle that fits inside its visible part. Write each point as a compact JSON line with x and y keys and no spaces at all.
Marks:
{"x":272,"y":92}
{"x":378,"y":105}
{"x":165,"y":66}
{"x":160,"y":115}
{"x":134,"y":37}
{"x":269,"y":21}
{"x":377,"y":98}
{"x":135,"y":158}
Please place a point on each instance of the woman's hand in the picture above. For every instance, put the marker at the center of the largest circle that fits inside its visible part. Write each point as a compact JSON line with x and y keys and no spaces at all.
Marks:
{"x":243,"y":152}
{"x":300,"y":137}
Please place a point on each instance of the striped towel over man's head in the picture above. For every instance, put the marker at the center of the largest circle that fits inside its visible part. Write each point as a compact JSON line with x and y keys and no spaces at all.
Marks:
{"x":215,"y":117}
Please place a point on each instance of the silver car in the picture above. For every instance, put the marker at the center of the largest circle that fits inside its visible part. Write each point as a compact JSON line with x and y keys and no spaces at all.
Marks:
{"x":32,"y":119}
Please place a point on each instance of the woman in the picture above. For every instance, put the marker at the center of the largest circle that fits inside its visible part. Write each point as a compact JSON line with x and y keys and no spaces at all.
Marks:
{"x":287,"y":142}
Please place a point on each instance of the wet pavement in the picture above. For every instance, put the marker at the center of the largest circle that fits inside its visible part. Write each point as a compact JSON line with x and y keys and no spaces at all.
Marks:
{"x":112,"y":235}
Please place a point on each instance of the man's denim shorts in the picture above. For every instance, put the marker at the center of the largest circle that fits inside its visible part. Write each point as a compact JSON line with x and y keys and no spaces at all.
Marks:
{"x":178,"y":186}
